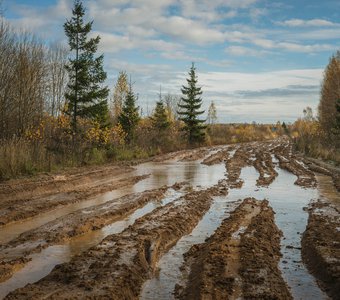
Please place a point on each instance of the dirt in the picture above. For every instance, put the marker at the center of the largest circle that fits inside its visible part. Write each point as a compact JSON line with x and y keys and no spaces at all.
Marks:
{"x":14,"y":256}
{"x":321,"y":245}
{"x":33,"y":198}
{"x":240,"y":260}
{"x":119,"y":265}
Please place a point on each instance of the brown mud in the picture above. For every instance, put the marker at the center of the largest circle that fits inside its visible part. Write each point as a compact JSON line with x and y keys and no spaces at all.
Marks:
{"x":15,"y":253}
{"x":120,"y":264}
{"x":22,"y":206}
{"x":240,"y":260}
{"x":321,"y":240}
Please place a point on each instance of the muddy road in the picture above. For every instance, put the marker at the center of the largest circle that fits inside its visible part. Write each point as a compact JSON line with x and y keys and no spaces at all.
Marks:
{"x":241,"y":221}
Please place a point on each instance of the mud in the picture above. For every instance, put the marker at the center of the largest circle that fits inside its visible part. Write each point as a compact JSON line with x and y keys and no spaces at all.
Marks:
{"x":321,"y":240}
{"x":119,"y":265}
{"x":15,"y":254}
{"x":18,"y":208}
{"x":240,"y":260}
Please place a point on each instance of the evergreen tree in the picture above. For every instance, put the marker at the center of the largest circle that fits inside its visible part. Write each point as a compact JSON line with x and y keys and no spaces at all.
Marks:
{"x":191,"y":103}
{"x":129,"y":116}
{"x":86,"y":97}
{"x":160,"y":119}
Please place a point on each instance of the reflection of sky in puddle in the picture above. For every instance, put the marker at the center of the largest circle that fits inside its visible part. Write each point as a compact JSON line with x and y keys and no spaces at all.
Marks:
{"x":161,"y":174}
{"x":162,"y":286}
{"x":287,"y":201}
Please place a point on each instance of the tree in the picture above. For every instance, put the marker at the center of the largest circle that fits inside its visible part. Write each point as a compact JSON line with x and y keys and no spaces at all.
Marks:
{"x":86,"y":96}
{"x":120,"y":91}
{"x":212,"y":114}
{"x":129,"y":116}
{"x":330,"y":93}
{"x":191,"y":103}
{"x":160,"y":119}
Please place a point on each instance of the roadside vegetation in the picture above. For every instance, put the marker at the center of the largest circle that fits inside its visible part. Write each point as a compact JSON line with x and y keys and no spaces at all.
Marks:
{"x":319,"y":136}
{"x":57,"y":112}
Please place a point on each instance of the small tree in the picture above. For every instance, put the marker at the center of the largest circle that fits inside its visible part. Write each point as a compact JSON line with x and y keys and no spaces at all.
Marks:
{"x":120,"y":91}
{"x":129,"y":116}
{"x":86,"y":97}
{"x":160,"y":119}
{"x":191,"y":103}
{"x":212,"y":114}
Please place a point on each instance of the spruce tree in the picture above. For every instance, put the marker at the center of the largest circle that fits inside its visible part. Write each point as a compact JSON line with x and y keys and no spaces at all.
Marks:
{"x":190,"y":109}
{"x":86,"y":97}
{"x":129,"y":116}
{"x":160,"y":118}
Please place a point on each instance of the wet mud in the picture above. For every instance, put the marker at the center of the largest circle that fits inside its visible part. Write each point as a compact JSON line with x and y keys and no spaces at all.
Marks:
{"x":127,"y":235}
{"x":240,"y":260}
{"x":321,"y":240}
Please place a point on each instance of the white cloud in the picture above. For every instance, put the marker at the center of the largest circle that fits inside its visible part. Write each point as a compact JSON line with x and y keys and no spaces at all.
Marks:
{"x":244,"y":51}
{"x":306,"y":23}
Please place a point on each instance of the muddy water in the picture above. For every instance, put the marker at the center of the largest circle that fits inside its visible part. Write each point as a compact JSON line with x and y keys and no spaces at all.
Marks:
{"x":168,"y":173}
{"x":162,"y":286}
{"x":165,"y":173}
{"x":287,"y":200}
{"x":42,"y":263}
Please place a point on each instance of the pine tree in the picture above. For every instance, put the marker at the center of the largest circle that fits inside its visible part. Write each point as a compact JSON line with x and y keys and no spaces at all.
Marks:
{"x":86,"y":97}
{"x":191,"y":103}
{"x":129,"y":116}
{"x":160,"y":118}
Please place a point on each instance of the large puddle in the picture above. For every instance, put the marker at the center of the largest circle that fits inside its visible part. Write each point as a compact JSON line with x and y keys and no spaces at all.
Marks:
{"x":288,"y":201}
{"x":42,"y":263}
{"x":196,"y":174}
{"x":161,"y":174}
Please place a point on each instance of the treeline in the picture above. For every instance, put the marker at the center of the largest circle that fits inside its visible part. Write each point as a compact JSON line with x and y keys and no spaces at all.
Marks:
{"x":319,"y":135}
{"x":55,"y":110}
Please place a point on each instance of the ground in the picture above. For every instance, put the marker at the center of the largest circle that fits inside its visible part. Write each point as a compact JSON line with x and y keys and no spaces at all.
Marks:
{"x":111,"y":229}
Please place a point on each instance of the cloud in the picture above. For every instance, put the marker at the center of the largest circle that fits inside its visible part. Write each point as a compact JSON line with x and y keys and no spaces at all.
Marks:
{"x":306,"y":23}
{"x":244,"y":51}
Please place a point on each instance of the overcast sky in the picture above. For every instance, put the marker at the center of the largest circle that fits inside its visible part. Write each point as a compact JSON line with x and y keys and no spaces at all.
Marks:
{"x":258,"y":60}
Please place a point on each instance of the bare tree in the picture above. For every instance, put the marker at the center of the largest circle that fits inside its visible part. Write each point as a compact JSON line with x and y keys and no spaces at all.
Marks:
{"x":56,"y":79}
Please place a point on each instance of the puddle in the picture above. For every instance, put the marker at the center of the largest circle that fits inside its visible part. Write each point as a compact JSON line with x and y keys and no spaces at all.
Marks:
{"x":168,"y":173}
{"x":162,"y":286}
{"x":287,"y":200}
{"x":42,"y":263}
{"x":164,"y":173}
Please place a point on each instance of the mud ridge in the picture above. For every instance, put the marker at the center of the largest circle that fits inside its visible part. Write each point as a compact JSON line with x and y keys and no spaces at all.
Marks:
{"x":28,"y":208}
{"x":13,"y":255}
{"x":118,"y":266}
{"x":289,"y":162}
{"x":264,"y":165}
{"x":239,"y":260}
{"x":321,"y":246}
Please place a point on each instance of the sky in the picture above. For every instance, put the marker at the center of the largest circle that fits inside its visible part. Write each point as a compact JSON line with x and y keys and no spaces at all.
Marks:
{"x":258,"y":60}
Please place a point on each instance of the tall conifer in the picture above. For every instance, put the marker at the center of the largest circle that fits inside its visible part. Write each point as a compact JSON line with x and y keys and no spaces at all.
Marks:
{"x":190,"y":109}
{"x":86,"y":97}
